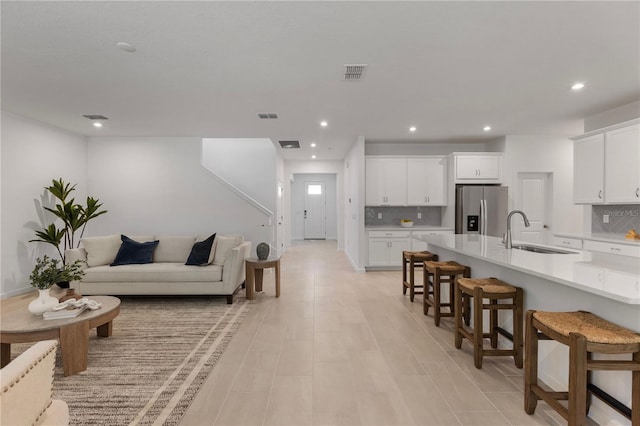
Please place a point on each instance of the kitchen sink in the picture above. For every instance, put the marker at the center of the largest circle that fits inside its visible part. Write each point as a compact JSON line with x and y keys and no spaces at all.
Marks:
{"x":543,"y":250}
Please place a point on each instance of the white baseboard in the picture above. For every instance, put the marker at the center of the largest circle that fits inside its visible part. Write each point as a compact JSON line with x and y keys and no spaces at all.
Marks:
{"x":16,"y":292}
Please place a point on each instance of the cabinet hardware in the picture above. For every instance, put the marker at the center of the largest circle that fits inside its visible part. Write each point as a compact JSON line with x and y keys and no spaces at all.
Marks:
{"x":615,"y":249}
{"x":600,"y":194}
{"x":638,"y":192}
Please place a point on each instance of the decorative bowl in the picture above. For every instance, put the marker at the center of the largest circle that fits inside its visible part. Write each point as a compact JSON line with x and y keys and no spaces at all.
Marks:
{"x":406,"y":223}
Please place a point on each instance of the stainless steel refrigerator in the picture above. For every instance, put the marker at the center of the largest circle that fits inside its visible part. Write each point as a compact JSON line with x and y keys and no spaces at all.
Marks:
{"x":481,"y":209}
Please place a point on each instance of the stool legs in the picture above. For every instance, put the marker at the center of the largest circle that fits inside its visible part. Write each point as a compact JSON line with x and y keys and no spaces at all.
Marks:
{"x":635,"y":392}
{"x":530,"y":366}
{"x":478,"y":334}
{"x":404,"y":276}
{"x":577,"y":379}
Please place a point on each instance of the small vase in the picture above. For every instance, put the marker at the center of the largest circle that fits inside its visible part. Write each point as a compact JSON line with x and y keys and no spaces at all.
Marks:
{"x":71,"y":294}
{"x":262,"y":250}
{"x":43,"y":303}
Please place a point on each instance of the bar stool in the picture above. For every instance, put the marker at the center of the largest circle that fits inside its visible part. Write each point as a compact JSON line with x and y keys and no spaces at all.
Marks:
{"x":435,"y":274}
{"x":414,"y":259}
{"x":585,"y":334}
{"x":494,"y":290}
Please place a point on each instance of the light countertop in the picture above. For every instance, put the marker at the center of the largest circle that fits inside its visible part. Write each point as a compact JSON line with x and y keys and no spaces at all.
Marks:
{"x":612,"y":276}
{"x":400,"y":228}
{"x":602,"y":238}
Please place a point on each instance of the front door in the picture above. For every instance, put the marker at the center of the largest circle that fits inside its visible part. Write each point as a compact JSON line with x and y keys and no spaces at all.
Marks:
{"x":534,"y":201}
{"x":314,"y":211}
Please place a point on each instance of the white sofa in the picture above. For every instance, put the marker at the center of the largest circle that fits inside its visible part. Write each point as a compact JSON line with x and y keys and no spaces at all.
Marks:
{"x":168,"y":274}
{"x":27,"y":386}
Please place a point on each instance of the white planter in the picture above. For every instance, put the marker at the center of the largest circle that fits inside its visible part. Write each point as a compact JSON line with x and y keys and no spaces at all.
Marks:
{"x":43,"y":303}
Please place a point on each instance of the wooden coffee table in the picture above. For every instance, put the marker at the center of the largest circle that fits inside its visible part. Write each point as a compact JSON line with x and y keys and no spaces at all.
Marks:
{"x":20,"y":326}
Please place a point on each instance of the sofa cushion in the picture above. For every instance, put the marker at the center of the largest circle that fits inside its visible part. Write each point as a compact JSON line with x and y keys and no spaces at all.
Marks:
{"x":200,"y":252}
{"x":134,"y":252}
{"x":173,"y":249}
{"x":153,"y":272}
{"x":101,"y":250}
{"x":142,"y":238}
{"x":201,"y":238}
{"x":224,"y":246}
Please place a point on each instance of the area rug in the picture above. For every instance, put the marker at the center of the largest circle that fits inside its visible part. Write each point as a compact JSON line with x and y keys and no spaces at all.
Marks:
{"x":150,"y":369}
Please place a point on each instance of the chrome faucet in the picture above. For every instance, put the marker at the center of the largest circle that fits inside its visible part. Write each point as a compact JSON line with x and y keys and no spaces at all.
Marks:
{"x":507,"y":243}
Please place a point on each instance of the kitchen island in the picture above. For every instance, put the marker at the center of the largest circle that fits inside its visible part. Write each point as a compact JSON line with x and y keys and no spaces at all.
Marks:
{"x":605,"y":284}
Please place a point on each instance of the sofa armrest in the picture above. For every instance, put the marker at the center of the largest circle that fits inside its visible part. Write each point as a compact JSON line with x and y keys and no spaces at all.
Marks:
{"x":233,"y":270}
{"x":27,"y":386}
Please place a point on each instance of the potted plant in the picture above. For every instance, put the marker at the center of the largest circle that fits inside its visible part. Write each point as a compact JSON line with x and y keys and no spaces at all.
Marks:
{"x":46,"y":273}
{"x":74,"y":218}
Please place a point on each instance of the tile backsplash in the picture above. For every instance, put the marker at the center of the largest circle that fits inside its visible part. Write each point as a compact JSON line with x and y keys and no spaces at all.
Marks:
{"x":615,"y":220}
{"x":431,"y":216}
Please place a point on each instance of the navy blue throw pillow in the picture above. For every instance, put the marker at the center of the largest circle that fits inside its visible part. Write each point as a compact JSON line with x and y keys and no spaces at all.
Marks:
{"x":132,"y":252}
{"x":200,"y":252}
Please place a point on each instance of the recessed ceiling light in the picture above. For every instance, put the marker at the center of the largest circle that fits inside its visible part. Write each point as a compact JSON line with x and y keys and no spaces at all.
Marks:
{"x":412,"y":128}
{"x":577,"y":86}
{"x":486,"y":128}
{"x":313,"y":156}
{"x":127,"y":47}
{"x":97,"y":124}
{"x":324,"y":123}
{"x":313,"y":145}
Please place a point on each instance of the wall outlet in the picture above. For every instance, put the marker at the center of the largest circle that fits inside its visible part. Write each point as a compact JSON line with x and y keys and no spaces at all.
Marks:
{"x":379,"y":215}
{"x":605,"y":218}
{"x":419,"y":215}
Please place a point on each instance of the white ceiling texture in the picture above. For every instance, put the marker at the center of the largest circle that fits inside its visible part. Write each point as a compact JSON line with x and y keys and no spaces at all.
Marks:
{"x":205,"y":68}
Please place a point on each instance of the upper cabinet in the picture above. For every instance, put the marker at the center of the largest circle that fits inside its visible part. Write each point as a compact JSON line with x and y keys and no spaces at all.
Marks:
{"x":405,"y":181}
{"x":606,"y":165}
{"x":386,"y":181}
{"x":426,"y":181}
{"x":478,"y":167}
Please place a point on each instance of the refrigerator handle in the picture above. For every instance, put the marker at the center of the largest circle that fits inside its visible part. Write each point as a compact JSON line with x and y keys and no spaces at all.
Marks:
{"x":482,"y":216}
{"x":486,"y":215}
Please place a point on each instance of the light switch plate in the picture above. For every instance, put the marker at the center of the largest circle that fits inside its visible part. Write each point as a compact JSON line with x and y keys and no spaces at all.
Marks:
{"x":605,"y":218}
{"x":419,"y":215}
{"x":379,"y":215}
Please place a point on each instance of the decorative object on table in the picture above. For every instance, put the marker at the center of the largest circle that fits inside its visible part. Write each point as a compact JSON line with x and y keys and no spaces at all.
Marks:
{"x":262,"y":250}
{"x":70,"y":294}
{"x":74,"y":218}
{"x":406,"y":223}
{"x":71,"y":308}
{"x":46,"y":273}
{"x":632,"y":235}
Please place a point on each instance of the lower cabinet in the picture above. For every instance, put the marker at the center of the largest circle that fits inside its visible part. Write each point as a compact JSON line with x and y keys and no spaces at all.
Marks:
{"x":574,"y":243}
{"x":386,"y":247}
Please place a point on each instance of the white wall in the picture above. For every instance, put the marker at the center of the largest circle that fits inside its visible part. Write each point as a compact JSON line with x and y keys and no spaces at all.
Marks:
{"x":613,"y":116}
{"x":248,"y":164}
{"x":314,"y":167}
{"x":298,"y":203}
{"x":546,"y":154}
{"x":355,"y":238}
{"x":33,"y":153}
{"x":158,"y":186}
{"x":422,"y":148}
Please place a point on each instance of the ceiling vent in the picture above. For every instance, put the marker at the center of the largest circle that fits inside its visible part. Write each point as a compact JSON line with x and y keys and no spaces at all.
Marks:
{"x":95,"y":117}
{"x":268,"y":115}
{"x":289,"y":144}
{"x":354,"y":71}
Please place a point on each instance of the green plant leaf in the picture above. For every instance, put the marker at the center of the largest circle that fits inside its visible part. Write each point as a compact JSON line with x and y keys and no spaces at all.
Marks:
{"x":60,"y":189}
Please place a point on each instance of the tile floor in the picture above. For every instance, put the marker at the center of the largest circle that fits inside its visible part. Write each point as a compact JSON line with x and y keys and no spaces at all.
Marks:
{"x":346,"y":348}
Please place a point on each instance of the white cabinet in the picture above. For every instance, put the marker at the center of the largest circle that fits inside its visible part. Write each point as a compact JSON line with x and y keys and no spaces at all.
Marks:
{"x":588,"y":170}
{"x":622,"y":165}
{"x":574,"y":243}
{"x":386,"y":182}
{"x":426,"y":181}
{"x":478,"y":168}
{"x":621,"y":249}
{"x":386,"y":247}
{"x":417,"y":245}
{"x":605,"y":167}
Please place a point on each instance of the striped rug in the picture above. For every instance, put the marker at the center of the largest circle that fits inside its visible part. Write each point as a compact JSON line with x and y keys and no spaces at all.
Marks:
{"x":161,"y":351}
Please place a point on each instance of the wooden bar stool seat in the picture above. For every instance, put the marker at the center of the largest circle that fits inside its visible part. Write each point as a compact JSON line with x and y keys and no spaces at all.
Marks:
{"x":494,"y":290}
{"x":436,"y":274}
{"x":584,"y":333}
{"x":414,"y":259}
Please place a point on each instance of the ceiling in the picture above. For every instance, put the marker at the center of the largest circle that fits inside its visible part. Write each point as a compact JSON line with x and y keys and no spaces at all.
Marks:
{"x":205,"y":69}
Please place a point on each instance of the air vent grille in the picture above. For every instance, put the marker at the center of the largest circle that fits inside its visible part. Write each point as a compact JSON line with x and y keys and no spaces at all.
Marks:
{"x":268,"y":115}
{"x":354,"y":71}
{"x":95,"y":117}
{"x":289,"y":144}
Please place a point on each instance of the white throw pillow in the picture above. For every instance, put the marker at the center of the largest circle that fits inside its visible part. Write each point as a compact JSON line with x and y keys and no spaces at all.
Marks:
{"x":224,"y":245}
{"x":101,"y":250}
{"x":173,"y":249}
